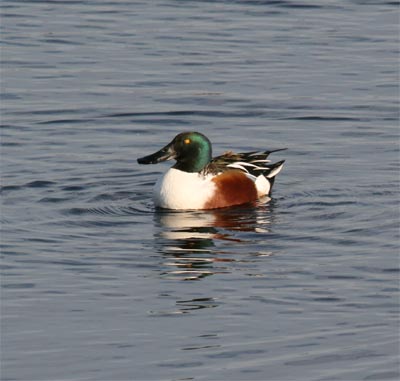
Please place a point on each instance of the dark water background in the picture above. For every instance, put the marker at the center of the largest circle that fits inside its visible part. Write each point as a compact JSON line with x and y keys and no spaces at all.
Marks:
{"x":97,"y":285}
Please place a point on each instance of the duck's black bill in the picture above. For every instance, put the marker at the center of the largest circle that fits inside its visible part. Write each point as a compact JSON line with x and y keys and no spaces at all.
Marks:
{"x":163,"y":154}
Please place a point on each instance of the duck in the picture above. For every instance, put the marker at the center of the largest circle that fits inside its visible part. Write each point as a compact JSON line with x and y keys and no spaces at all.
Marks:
{"x":197,"y":181}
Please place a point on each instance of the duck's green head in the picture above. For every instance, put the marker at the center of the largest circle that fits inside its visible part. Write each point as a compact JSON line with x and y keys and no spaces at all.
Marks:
{"x":191,"y":150}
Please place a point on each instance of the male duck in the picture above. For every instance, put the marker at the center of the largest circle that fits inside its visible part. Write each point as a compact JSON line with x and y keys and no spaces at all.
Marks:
{"x":198,"y":181}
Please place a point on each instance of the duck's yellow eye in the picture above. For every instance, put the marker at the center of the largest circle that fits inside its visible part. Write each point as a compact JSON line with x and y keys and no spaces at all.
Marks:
{"x":187,"y":141}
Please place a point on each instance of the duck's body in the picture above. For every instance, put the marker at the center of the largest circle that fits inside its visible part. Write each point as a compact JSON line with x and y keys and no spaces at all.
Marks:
{"x":183,"y":190}
{"x":197,"y":181}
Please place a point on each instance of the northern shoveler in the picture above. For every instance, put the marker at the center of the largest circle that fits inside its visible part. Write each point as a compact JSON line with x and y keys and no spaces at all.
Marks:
{"x":198,"y":181}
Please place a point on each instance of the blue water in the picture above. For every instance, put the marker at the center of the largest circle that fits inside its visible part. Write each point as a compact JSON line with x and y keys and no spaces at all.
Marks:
{"x":98,"y":285}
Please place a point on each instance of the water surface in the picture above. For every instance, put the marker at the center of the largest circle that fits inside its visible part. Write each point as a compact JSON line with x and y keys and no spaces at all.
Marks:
{"x":98,"y":285}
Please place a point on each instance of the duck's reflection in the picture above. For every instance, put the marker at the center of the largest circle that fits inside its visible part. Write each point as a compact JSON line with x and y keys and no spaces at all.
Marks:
{"x":196,"y":244}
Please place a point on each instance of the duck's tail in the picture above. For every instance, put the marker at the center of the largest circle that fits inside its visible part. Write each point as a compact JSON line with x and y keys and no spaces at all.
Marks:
{"x":271,"y":171}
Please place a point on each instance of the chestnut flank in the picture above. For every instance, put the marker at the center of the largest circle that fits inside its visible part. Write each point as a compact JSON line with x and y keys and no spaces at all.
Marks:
{"x":232,"y":188}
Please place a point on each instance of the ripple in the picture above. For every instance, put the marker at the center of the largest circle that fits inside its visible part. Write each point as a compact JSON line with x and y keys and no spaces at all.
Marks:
{"x":109,"y":210}
{"x":40,"y":184}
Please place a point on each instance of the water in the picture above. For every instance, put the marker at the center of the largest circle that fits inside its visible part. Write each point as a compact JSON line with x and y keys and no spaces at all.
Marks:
{"x":97,"y":285}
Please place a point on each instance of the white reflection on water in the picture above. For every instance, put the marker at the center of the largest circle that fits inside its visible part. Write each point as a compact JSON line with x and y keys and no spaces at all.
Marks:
{"x":191,"y":241}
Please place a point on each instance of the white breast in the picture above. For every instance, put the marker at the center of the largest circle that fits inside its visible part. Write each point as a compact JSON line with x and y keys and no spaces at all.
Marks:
{"x":183,"y":190}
